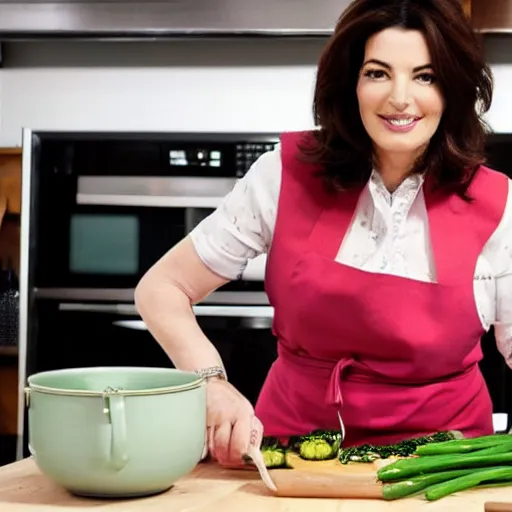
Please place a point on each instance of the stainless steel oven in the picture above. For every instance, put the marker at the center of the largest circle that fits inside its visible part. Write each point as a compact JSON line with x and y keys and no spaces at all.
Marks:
{"x":99,"y":210}
{"x":109,"y":206}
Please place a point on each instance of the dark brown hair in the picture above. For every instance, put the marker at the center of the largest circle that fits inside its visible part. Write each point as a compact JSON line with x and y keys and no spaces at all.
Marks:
{"x":341,"y":147}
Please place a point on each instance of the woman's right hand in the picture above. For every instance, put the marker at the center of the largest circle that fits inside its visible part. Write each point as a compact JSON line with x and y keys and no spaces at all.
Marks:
{"x":232,"y":424}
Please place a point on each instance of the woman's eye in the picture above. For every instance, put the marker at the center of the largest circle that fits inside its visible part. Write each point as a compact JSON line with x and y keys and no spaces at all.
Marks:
{"x":426,"y":78}
{"x":375,"y":74}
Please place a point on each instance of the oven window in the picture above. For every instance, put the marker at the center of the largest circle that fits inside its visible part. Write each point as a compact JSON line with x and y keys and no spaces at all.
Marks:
{"x":104,"y":244}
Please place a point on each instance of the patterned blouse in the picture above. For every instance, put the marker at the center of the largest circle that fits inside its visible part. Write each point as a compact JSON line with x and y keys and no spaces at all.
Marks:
{"x":389,"y":234}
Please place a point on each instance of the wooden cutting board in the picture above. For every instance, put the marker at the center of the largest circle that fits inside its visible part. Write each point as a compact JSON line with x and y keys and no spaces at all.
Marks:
{"x":497,"y":506}
{"x":331,"y":479}
{"x":327,"y":479}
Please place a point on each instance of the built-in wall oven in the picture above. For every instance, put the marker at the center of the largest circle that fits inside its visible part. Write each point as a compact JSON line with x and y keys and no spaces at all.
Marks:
{"x":103,"y":208}
{"x":100,"y":208}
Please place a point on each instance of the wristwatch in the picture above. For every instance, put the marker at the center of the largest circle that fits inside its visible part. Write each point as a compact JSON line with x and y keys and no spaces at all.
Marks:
{"x":212,"y":372}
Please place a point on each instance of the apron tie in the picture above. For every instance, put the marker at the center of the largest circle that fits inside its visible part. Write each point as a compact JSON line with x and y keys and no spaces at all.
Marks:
{"x":333,"y":370}
{"x":334,"y":395}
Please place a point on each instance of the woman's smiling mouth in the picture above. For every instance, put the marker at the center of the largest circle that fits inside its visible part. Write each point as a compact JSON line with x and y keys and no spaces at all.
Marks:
{"x":400,"y":122}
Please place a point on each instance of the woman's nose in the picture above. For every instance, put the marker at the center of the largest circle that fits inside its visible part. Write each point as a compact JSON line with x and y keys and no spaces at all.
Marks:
{"x":399,"y":98}
{"x":399,"y":105}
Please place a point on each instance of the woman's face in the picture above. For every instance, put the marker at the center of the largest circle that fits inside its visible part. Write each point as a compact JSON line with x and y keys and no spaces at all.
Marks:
{"x":399,"y":101}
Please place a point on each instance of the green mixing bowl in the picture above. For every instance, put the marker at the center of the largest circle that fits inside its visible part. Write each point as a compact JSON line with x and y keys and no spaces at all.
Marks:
{"x":116,"y":432}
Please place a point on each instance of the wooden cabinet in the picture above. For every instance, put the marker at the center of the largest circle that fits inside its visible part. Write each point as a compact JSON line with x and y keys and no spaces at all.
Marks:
{"x":10,"y":178}
{"x":10,"y":205}
{"x":10,"y":211}
{"x":490,"y":16}
{"x":467,"y":6}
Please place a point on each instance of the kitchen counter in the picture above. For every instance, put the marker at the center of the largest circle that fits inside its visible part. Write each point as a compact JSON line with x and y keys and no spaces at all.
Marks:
{"x":210,"y":488}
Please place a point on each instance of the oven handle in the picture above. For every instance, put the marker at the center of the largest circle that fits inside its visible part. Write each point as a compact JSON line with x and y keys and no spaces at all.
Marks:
{"x":148,"y":201}
{"x":255,"y":317}
{"x":199,"y":310}
{"x":235,"y":311}
{"x":136,"y":325}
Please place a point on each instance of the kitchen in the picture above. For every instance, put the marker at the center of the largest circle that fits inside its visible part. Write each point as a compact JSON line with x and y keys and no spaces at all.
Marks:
{"x":177,"y":86}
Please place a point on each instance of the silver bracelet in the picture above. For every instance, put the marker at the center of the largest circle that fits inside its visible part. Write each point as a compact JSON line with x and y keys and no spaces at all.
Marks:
{"x":212,"y":371}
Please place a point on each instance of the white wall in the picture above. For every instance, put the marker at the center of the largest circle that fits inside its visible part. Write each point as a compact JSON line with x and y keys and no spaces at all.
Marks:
{"x":199,"y":85}
{"x":161,"y":86}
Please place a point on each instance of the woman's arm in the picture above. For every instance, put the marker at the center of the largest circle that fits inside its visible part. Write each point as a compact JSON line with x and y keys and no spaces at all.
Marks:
{"x":164,"y":299}
{"x":213,"y":254}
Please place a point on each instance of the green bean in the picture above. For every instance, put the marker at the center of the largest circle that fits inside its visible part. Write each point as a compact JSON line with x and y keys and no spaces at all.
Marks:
{"x":463,"y":445}
{"x":499,"y":448}
{"x":462,"y":483}
{"x":403,"y":488}
{"x":415,"y":466}
{"x":505,"y":483}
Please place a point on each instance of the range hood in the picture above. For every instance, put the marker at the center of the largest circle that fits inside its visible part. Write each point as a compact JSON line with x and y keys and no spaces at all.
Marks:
{"x":129,"y":19}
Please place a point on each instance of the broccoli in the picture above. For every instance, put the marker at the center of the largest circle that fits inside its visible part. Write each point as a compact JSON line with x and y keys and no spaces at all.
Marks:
{"x":318,"y":445}
{"x":275,"y":453}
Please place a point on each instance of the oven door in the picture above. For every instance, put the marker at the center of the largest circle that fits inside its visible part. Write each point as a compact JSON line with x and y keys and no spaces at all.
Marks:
{"x":106,"y":210}
{"x":120,"y":226}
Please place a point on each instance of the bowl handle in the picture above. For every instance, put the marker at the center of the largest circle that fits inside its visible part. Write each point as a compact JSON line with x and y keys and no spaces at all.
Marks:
{"x":114,"y":408}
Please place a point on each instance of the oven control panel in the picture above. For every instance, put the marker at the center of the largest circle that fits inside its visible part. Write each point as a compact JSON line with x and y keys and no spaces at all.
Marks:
{"x":247,"y":154}
{"x":215,"y":155}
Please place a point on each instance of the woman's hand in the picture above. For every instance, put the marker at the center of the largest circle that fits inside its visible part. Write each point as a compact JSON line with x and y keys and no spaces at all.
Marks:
{"x":232,"y":424}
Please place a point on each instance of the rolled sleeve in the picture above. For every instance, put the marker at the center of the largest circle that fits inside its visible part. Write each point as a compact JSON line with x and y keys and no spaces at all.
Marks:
{"x":241,"y":228}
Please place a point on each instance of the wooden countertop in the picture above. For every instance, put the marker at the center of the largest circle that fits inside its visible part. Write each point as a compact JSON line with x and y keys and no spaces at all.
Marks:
{"x":210,"y":488}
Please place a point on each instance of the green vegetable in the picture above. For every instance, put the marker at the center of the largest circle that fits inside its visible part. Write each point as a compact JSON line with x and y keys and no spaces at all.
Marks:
{"x":463,"y":445}
{"x":491,"y":485}
{"x":405,"y":468}
{"x":274,"y":453}
{"x":318,"y":445}
{"x":316,"y":449}
{"x":275,"y":458}
{"x":403,"y":488}
{"x":462,"y":483}
{"x":444,"y":468}
{"x":406,"y":448}
{"x":499,"y":448}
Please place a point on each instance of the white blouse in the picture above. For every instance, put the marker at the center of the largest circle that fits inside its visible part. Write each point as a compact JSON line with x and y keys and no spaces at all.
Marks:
{"x":389,"y":234}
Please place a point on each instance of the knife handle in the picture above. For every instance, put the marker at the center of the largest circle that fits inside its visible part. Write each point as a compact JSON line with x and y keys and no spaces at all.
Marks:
{"x":495,"y":506}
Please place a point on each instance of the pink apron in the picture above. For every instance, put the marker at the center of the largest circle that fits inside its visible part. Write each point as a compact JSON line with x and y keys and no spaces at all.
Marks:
{"x":398,"y":357}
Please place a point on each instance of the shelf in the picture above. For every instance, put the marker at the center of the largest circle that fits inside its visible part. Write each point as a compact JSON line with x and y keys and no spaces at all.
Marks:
{"x":8,"y":351}
{"x":10,"y":151}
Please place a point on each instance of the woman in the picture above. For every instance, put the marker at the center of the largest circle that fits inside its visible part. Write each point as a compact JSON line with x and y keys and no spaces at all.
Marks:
{"x":387,"y":240}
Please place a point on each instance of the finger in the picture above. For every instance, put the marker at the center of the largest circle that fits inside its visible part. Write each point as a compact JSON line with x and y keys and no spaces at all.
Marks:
{"x":240,"y":440}
{"x":211,"y":441}
{"x":204,"y":455}
{"x":256,"y":432}
{"x":247,"y":431}
{"x":221,"y":440}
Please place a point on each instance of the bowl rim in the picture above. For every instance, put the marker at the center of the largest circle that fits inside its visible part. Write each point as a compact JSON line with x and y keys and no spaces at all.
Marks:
{"x":196,"y":383}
